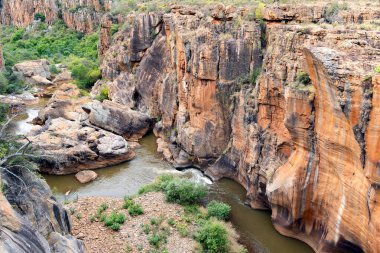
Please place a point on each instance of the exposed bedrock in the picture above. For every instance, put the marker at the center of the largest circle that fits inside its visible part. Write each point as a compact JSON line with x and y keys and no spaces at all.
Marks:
{"x":31,"y":219}
{"x":306,"y":151}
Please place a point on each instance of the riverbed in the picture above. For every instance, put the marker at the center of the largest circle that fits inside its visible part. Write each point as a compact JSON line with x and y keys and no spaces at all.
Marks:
{"x":255,"y":227}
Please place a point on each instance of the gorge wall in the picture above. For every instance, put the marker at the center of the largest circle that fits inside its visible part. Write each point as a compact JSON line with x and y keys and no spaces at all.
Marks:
{"x":306,"y":151}
{"x":223,"y":90}
{"x":83,"y":16}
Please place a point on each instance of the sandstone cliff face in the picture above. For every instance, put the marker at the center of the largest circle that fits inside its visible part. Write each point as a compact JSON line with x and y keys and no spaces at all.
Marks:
{"x":83,"y":16}
{"x":306,"y":151}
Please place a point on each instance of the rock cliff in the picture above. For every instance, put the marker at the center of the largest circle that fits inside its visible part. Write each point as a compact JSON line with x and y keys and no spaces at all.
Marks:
{"x":229,"y":95}
{"x":83,"y":16}
{"x":31,"y":219}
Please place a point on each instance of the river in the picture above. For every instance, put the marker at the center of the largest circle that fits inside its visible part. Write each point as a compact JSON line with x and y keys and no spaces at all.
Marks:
{"x":254,"y":226}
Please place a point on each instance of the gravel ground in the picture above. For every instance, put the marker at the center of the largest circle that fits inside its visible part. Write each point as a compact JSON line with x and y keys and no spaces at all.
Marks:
{"x":132,"y":237}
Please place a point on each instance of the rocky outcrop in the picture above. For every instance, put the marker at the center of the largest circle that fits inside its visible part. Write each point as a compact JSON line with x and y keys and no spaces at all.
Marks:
{"x":83,"y":16}
{"x":31,"y":219}
{"x":119,"y":119}
{"x":2,"y":63}
{"x":232,"y":100}
{"x":69,"y":142}
{"x":33,"y":72}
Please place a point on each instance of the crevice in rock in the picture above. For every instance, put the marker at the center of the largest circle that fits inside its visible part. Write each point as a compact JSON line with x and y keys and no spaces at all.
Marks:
{"x":365,"y":109}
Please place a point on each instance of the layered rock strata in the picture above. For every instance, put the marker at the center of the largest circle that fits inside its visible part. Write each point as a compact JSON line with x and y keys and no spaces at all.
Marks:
{"x":230,"y":97}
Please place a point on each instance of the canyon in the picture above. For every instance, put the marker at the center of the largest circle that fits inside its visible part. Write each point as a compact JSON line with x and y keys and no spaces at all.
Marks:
{"x":222,"y":92}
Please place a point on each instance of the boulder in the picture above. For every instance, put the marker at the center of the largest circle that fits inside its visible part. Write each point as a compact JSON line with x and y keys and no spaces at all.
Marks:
{"x":71,"y":146}
{"x":63,"y":77}
{"x":119,"y":119}
{"x":86,"y":176}
{"x":34,"y":72}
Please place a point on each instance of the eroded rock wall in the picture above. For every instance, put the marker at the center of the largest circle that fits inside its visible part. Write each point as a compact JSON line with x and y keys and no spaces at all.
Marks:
{"x":83,"y":16}
{"x":308,"y":152}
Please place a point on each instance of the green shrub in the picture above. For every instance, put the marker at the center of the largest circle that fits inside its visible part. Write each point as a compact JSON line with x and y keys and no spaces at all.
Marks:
{"x":101,"y":209}
{"x":377,"y":69}
{"x":219,"y":210}
{"x":85,"y":72}
{"x":103,"y":94}
{"x":159,"y":184}
{"x":171,"y":222}
{"x":135,"y":210}
{"x":115,"y":227}
{"x":4,"y":109}
{"x":128,"y":202}
{"x":184,"y":192}
{"x":303,"y":78}
{"x":114,"y":29}
{"x":54,"y":70}
{"x":259,"y":11}
{"x":39,"y":16}
{"x":154,"y":240}
{"x":213,"y":237}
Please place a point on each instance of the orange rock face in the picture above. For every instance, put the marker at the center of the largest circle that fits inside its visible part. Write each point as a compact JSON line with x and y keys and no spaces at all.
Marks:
{"x":83,"y":16}
{"x":305,"y":150}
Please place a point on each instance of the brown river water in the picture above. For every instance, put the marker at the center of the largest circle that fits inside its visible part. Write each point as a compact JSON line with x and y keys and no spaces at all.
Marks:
{"x":255,"y":227}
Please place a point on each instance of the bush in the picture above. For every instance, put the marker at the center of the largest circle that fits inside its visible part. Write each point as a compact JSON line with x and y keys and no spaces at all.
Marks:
{"x":333,"y":9}
{"x":135,"y":210}
{"x":377,"y":69}
{"x":159,"y":184}
{"x":114,"y":29}
{"x":54,"y":70}
{"x":303,"y":78}
{"x":115,"y":227}
{"x":39,"y":16}
{"x":259,"y":11}
{"x":103,"y":94}
{"x":128,"y":202}
{"x":213,"y":237}
{"x":3,"y":112}
{"x":184,"y":192}
{"x":85,"y":72}
{"x":219,"y":210}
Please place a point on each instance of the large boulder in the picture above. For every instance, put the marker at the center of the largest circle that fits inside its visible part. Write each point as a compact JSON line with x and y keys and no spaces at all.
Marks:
{"x":34,"y":72}
{"x":71,"y":146}
{"x":119,"y":119}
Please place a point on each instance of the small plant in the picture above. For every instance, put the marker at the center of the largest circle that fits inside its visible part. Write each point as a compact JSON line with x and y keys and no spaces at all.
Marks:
{"x":171,"y":222}
{"x":219,"y":210}
{"x":39,"y":16}
{"x":92,"y":218}
{"x":146,"y":229}
{"x":128,"y":201}
{"x":103,"y":94}
{"x":259,"y":12}
{"x":101,"y":209}
{"x":135,"y":210}
{"x":155,"y":240}
{"x":115,"y":226}
{"x":303,"y":78}
{"x":78,"y":216}
{"x":213,"y":237}
{"x":377,"y":69}
{"x":72,"y":210}
{"x":153,"y":221}
{"x":103,"y":217}
{"x":54,"y":70}
{"x":182,"y":229}
{"x":114,"y":29}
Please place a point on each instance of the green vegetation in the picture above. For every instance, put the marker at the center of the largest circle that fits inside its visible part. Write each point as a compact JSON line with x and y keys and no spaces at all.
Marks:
{"x":303,"y":78}
{"x":135,"y":210}
{"x":213,"y":237}
{"x":103,"y":94}
{"x":333,"y":9}
{"x":114,"y":220}
{"x":128,"y":202}
{"x":57,"y":43}
{"x":39,"y":16}
{"x":101,"y":209}
{"x":377,"y":69}
{"x":219,"y":210}
{"x":185,"y":192}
